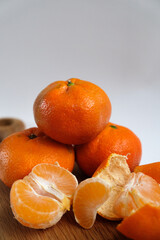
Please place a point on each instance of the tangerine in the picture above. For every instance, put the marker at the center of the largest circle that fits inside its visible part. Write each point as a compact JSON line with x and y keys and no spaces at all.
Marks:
{"x":21,"y":151}
{"x":113,"y":139}
{"x":73,"y":111}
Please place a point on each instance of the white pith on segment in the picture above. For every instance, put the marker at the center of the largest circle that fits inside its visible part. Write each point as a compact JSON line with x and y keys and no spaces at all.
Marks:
{"x":116,"y":174}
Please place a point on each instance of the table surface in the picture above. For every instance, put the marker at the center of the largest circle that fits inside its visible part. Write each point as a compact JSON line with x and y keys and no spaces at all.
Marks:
{"x":66,"y":228}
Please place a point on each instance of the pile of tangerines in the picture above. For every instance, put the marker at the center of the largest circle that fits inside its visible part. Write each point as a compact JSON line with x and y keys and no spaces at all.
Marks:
{"x":73,"y":124}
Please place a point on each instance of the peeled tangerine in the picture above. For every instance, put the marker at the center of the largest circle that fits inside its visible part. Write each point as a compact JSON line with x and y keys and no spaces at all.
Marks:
{"x":135,"y":197}
{"x":115,"y":172}
{"x":41,"y":198}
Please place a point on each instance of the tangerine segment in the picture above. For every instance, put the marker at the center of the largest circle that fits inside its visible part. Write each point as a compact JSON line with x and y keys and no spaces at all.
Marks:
{"x":151,"y":169}
{"x":31,"y":209}
{"x":138,"y":191}
{"x":114,"y":171}
{"x":89,"y":196}
{"x":52,"y":175}
{"x":142,"y":224}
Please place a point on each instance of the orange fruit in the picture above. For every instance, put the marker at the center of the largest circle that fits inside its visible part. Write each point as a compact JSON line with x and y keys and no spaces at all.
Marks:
{"x":113,"y":139}
{"x":151,"y":169}
{"x":139,"y":190}
{"x":115,"y":172}
{"x":20,"y":152}
{"x":88,"y":197}
{"x":142,"y":224}
{"x":72,"y":111}
{"x":42,"y":197}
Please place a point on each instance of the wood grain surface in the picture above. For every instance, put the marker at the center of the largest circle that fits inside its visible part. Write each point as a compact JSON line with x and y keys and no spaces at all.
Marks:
{"x":65,"y":229}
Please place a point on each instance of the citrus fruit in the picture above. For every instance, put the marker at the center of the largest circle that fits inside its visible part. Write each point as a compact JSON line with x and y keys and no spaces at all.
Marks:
{"x":113,"y":139}
{"x":41,"y":198}
{"x":72,"y":111}
{"x":115,"y":172}
{"x":88,"y":197}
{"x":139,"y":190}
{"x":142,"y":224}
{"x":20,"y":152}
{"x":151,"y":169}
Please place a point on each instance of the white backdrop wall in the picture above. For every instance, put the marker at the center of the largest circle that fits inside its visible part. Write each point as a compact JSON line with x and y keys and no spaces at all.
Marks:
{"x":114,"y":44}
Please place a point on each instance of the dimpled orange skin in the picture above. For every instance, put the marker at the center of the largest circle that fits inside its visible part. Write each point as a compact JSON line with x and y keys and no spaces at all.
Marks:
{"x":21,"y":151}
{"x":113,"y":139}
{"x":150,"y":169}
{"x":72,"y":111}
{"x":142,"y":224}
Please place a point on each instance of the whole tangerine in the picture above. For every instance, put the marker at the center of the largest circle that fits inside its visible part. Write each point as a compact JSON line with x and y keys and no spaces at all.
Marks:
{"x":21,"y":151}
{"x":73,"y":111}
{"x":113,"y":139}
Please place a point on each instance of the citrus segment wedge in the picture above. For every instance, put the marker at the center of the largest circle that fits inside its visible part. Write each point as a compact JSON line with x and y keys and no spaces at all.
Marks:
{"x":52,"y":175}
{"x":89,"y":196}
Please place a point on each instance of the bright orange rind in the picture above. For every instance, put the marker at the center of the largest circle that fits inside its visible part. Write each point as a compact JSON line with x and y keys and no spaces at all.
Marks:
{"x":144,"y":224}
{"x":151,"y":169}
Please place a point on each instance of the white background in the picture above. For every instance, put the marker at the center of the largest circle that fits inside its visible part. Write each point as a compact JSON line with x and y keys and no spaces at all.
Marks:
{"x":114,"y":44}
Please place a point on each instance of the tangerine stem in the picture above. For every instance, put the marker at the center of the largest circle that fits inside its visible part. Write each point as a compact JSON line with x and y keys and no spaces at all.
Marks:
{"x":113,"y":126}
{"x":32,"y":136}
{"x":70,"y":83}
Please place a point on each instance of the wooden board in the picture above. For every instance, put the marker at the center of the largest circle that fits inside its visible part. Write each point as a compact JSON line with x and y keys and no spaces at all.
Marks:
{"x":65,"y":229}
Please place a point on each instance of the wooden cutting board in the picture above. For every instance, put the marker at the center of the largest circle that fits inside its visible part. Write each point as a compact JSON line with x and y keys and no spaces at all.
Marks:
{"x":65,"y":229}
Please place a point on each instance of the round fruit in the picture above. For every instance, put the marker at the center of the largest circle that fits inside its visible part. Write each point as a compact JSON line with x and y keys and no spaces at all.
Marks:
{"x":21,"y":151}
{"x":113,"y":139}
{"x":73,"y":111}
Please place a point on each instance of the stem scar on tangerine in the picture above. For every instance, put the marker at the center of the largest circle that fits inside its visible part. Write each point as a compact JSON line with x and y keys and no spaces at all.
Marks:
{"x":69,"y":83}
{"x":32,"y":136}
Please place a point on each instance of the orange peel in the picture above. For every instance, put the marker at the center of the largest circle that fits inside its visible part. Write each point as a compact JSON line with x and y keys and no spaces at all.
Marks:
{"x":142,"y":224}
{"x":115,"y":172}
{"x":151,"y":169}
